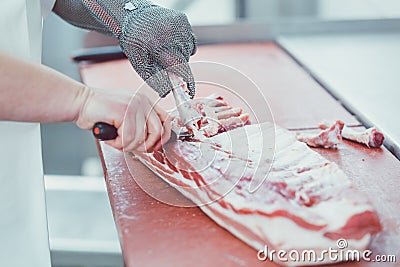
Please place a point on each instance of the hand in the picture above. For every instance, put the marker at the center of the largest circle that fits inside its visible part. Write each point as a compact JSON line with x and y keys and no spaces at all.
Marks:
{"x":141,"y":125}
{"x":158,"y":40}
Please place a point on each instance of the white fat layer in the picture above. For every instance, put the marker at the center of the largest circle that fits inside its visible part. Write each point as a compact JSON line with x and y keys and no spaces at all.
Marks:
{"x":304,"y":172}
{"x":277,"y":233}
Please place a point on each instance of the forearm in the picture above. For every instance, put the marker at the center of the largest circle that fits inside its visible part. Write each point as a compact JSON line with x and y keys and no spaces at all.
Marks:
{"x":35,"y":93}
{"x":75,"y":13}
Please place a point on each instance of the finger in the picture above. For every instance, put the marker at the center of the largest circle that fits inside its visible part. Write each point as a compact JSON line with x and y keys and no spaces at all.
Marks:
{"x":129,"y":129}
{"x":175,"y":62}
{"x":162,"y":114}
{"x":132,"y":142}
{"x":158,"y":146}
{"x":166,"y":120}
{"x":149,"y":71}
{"x":183,"y":70}
{"x":154,"y":131}
{"x":194,"y":41}
{"x":160,"y":82}
{"x":141,"y":62}
{"x":116,"y":143}
{"x":166,"y":134}
{"x":85,"y":125}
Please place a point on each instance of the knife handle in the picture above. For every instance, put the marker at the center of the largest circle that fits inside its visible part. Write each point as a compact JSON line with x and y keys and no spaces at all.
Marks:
{"x":104,"y":131}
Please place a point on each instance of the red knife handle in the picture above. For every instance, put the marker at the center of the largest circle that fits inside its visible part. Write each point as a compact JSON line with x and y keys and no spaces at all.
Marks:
{"x":104,"y":131}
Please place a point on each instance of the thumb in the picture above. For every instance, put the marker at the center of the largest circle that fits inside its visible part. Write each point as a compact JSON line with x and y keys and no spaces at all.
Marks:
{"x":177,"y":64}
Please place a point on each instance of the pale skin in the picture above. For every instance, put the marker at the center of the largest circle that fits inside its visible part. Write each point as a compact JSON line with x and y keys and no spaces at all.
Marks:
{"x":35,"y":93}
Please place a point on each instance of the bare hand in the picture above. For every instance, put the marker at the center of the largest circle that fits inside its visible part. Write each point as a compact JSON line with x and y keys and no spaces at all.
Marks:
{"x":140,"y":123}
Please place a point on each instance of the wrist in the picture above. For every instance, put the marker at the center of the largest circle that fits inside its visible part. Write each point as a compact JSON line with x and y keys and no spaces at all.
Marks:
{"x":80,"y":101}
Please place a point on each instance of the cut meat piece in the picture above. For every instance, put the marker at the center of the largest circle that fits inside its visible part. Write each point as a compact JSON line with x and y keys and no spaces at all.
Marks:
{"x":306,"y":202}
{"x":370,"y":137}
{"x":328,"y":138}
{"x":217,"y":116}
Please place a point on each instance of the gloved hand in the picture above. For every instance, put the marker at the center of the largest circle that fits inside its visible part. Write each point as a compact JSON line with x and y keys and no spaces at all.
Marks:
{"x":152,"y":37}
{"x":145,"y":127}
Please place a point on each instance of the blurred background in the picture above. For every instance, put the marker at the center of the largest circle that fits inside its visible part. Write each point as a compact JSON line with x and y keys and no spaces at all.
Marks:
{"x":82,"y":230}
{"x":77,"y":155}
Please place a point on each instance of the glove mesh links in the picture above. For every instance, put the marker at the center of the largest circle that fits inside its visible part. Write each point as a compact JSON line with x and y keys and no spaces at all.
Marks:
{"x":156,"y":40}
{"x":103,"y":16}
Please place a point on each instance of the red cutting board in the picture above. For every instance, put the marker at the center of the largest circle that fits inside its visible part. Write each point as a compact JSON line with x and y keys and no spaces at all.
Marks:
{"x":156,"y":234}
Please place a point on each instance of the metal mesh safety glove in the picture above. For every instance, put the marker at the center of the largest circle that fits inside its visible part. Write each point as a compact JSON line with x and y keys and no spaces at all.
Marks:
{"x":152,"y":37}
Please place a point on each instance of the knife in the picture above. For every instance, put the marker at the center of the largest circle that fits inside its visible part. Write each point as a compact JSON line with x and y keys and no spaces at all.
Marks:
{"x":190,"y":117}
{"x":105,"y":132}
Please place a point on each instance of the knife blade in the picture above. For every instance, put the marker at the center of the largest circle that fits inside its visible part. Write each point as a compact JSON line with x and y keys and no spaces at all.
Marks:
{"x":104,"y":131}
{"x":191,"y":117}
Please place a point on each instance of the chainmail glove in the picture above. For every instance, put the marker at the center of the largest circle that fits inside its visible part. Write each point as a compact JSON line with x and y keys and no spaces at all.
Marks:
{"x":156,"y":40}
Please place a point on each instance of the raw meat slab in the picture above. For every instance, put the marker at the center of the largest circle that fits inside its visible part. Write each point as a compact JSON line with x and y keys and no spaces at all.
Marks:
{"x":302,"y":202}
